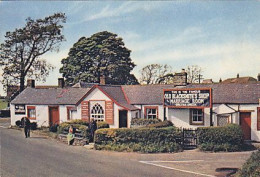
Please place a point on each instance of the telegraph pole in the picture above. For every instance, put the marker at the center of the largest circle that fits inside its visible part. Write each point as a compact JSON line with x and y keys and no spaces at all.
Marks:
{"x":200,"y":77}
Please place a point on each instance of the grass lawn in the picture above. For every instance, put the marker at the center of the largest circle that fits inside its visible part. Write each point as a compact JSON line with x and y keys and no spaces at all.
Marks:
{"x":3,"y":104}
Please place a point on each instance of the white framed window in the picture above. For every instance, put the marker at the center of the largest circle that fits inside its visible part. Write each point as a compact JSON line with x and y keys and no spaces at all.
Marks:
{"x":151,"y":112}
{"x":31,"y":112}
{"x":196,"y":117}
{"x":97,"y":112}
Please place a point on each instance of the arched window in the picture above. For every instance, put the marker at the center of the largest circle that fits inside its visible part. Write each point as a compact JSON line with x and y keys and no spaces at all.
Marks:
{"x":97,"y":112}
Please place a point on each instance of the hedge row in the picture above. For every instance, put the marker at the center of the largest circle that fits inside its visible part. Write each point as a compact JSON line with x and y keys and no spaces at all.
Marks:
{"x":165,"y":123}
{"x":251,"y":167}
{"x":227,"y":138}
{"x":137,"y":122}
{"x":147,"y":140}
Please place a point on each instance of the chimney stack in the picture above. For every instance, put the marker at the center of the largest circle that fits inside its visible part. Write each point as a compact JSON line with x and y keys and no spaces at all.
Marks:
{"x":237,"y":75}
{"x":220,"y":80}
{"x":258,"y":77}
{"x":102,"y":80}
{"x":31,"y":83}
{"x":61,"y":82}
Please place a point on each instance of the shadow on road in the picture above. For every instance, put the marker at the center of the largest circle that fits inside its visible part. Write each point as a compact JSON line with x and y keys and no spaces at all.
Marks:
{"x":226,"y":171}
{"x":38,"y":137}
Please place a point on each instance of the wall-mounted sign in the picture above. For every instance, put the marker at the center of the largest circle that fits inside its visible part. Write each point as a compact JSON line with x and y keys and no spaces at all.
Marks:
{"x":188,"y":98}
{"x":19,"y":109}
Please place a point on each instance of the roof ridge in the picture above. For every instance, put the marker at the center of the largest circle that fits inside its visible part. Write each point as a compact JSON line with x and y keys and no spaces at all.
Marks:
{"x":126,"y":98}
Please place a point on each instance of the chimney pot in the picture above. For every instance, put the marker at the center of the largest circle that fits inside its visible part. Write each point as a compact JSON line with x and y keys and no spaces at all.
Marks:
{"x":220,"y":80}
{"x":237,"y":75}
{"x":258,"y":77}
{"x":61,"y":82}
{"x":31,"y":83}
{"x":102,"y":80}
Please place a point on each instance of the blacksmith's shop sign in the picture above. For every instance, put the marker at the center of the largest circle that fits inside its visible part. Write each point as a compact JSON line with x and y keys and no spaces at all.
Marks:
{"x":188,"y":98}
{"x":19,"y":109}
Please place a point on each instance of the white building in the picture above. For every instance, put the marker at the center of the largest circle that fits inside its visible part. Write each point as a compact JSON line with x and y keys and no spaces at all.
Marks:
{"x":117,"y":105}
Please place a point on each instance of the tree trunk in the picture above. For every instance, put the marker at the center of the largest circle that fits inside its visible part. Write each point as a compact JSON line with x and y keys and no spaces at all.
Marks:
{"x":22,"y":78}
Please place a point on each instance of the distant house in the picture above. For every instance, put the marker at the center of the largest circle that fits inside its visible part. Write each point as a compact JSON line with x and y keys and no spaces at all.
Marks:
{"x":240,"y":80}
{"x":187,"y":106}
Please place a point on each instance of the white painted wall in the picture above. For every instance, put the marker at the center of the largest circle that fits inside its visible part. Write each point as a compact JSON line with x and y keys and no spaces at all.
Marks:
{"x":14,"y":117}
{"x":97,"y":96}
{"x":181,"y":117}
{"x":142,"y":109}
{"x":255,"y":135}
{"x":42,"y":115}
{"x":135,"y":114}
{"x":227,"y":110}
{"x":63,"y":112}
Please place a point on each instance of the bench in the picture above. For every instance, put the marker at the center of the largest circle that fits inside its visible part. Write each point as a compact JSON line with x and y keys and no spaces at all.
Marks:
{"x":79,"y":139}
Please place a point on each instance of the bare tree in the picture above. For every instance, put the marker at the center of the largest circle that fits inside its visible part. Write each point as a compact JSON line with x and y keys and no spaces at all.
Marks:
{"x":153,"y":73}
{"x":194,"y":74}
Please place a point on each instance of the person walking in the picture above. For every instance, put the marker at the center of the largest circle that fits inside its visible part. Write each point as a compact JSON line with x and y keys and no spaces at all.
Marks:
{"x":92,"y":128}
{"x":27,"y":126}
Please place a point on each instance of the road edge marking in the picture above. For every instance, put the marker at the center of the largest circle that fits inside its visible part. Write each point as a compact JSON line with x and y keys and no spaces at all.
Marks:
{"x":171,"y":168}
{"x":175,"y":161}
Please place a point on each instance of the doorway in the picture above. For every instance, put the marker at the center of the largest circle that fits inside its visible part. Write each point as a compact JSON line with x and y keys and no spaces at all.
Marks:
{"x":54,"y":116}
{"x":245,"y":122}
{"x":122,"y":119}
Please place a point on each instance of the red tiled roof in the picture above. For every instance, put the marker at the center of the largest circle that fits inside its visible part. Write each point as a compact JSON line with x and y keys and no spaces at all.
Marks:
{"x":241,"y":80}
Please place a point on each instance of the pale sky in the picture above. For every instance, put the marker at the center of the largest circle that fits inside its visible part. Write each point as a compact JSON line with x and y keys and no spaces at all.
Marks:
{"x":220,"y":36}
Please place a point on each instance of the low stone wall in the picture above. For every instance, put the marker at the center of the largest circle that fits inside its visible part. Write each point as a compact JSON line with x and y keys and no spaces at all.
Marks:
{"x":77,"y":141}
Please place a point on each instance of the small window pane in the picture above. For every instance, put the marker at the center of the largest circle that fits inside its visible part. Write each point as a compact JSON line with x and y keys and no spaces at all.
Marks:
{"x":97,"y":112}
{"x":197,"y":115}
{"x":31,"y":112}
{"x":151,"y":113}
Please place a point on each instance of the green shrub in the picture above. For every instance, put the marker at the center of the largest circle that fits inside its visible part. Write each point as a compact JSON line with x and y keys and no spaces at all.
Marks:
{"x":227,"y":138}
{"x":101,"y":125}
{"x":18,"y":123}
{"x":143,"y":122}
{"x":65,"y":126}
{"x":252,"y":166}
{"x":147,"y":140}
{"x":33,"y":125}
{"x":78,"y":121}
{"x":165,"y":123}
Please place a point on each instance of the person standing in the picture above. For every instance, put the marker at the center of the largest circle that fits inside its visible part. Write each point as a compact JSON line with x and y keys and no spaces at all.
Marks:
{"x":70,"y":136}
{"x":27,"y":125}
{"x":92,"y":128}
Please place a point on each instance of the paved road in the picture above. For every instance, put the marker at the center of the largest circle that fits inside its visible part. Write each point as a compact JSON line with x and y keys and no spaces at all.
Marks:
{"x":38,"y":156}
{"x":5,"y":122}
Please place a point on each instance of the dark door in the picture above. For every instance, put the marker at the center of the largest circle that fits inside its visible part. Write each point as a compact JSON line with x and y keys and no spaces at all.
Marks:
{"x":54,"y":115}
{"x":122,"y":119}
{"x":245,"y":122}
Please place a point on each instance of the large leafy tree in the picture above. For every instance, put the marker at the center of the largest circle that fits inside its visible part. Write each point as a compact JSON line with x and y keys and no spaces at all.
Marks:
{"x":20,"y":54}
{"x":102,"y":54}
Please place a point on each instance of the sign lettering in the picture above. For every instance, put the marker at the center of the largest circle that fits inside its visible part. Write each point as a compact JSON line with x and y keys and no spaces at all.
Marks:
{"x":187,"y":98}
{"x":19,"y":109}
